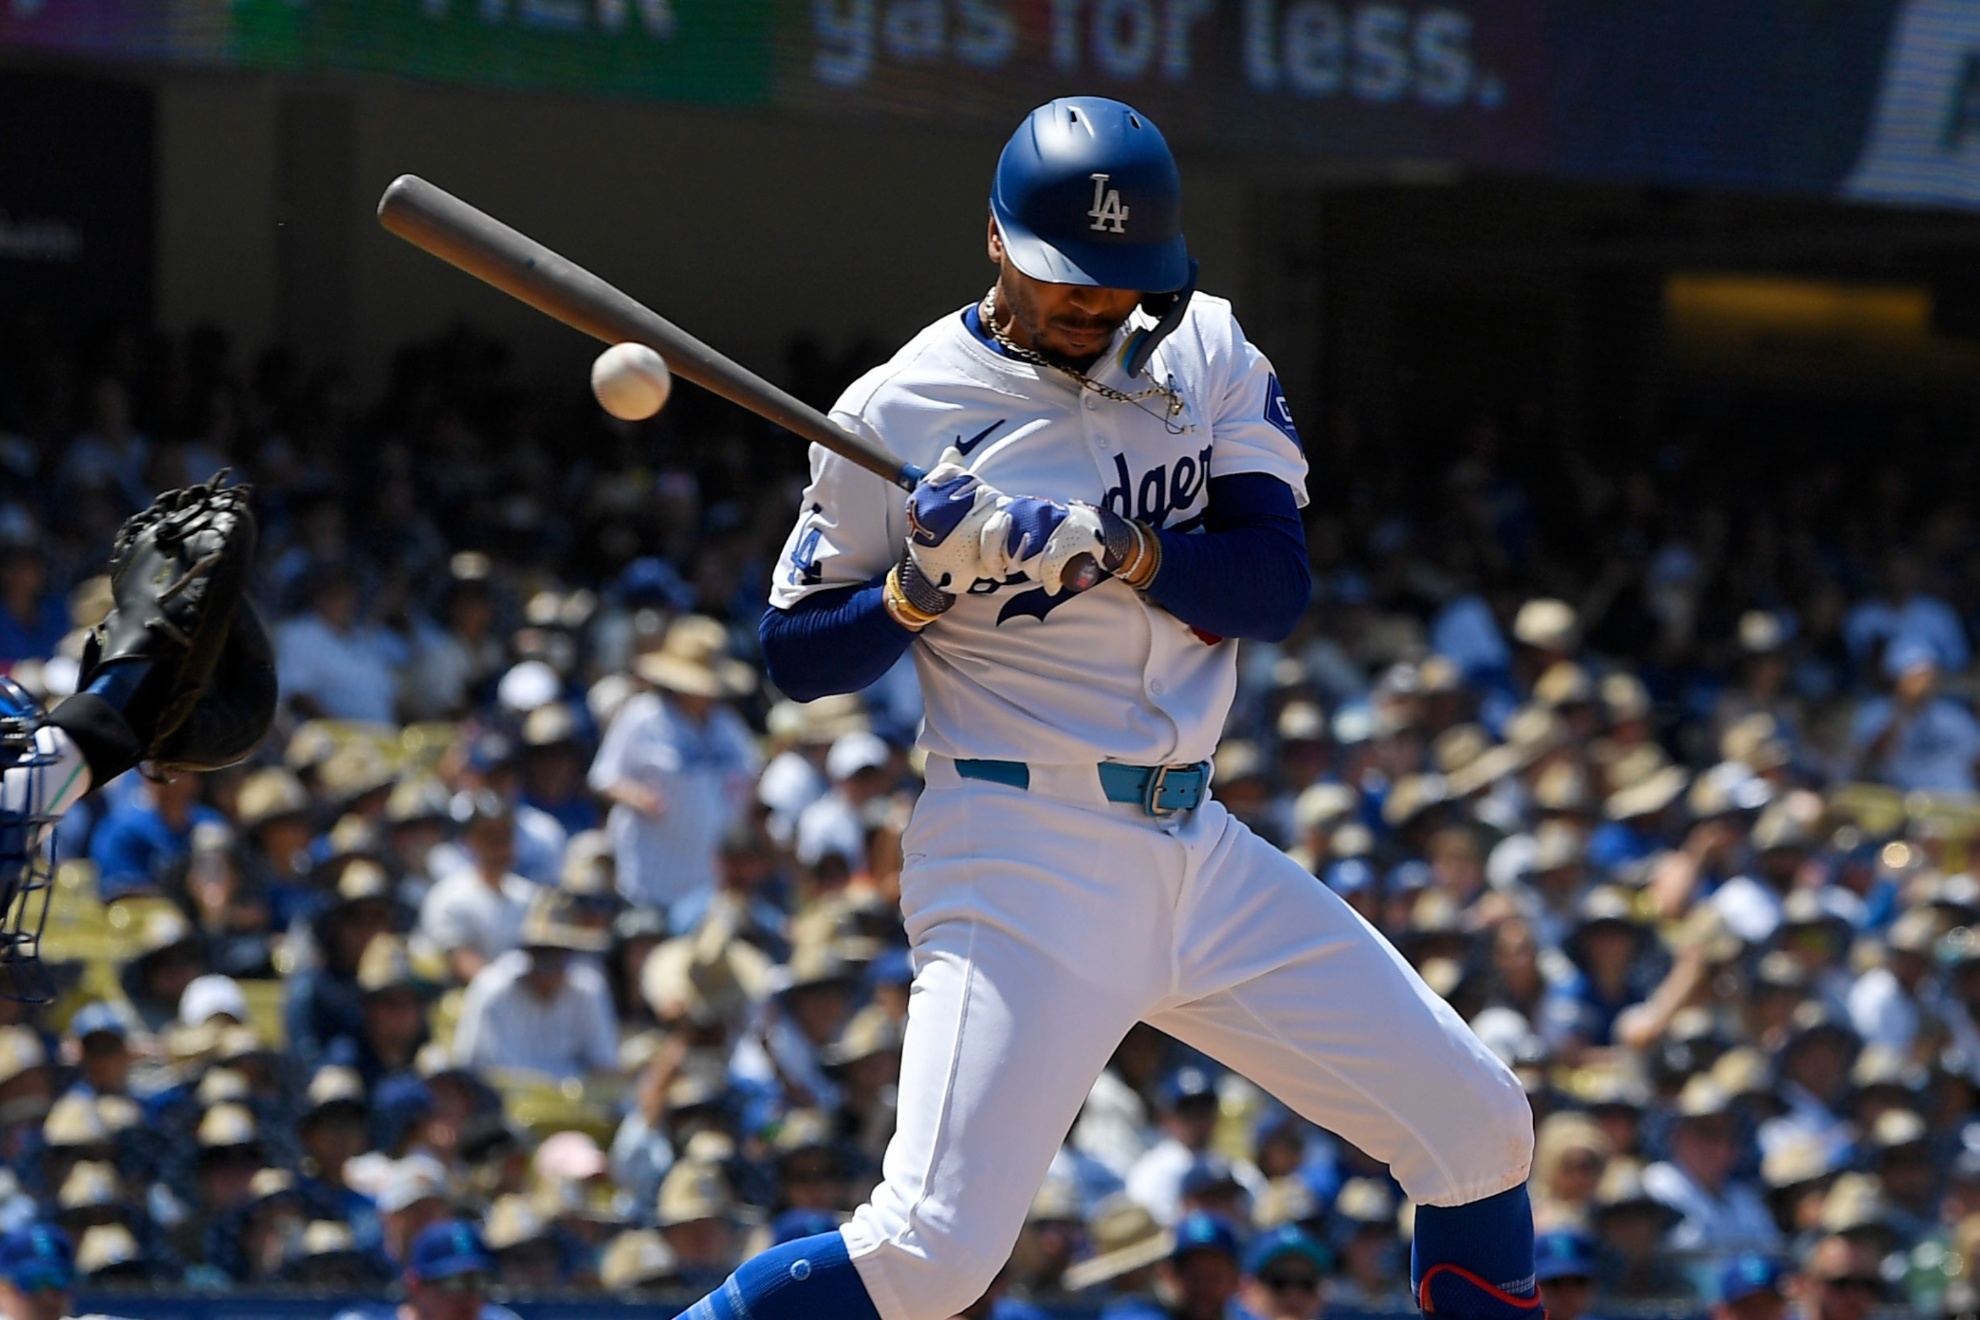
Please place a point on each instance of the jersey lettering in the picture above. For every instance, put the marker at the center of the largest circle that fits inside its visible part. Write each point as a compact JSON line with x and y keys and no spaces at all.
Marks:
{"x":1109,"y":216}
{"x":804,"y":555}
{"x":1277,"y":411}
{"x":1160,"y":491}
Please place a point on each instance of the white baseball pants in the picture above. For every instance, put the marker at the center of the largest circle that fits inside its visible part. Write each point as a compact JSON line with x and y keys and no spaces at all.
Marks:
{"x":1046,"y":921}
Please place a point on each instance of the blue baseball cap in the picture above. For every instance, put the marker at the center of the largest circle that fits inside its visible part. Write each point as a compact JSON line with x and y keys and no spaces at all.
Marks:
{"x":1190,"y":1083}
{"x":1208,"y":1173}
{"x":1285,"y":1240}
{"x":1201,"y":1232}
{"x":1906,"y":653}
{"x":1563,"y":1255}
{"x":1746,"y":1275}
{"x":98,"y":1017}
{"x":1350,"y":875}
{"x":447,"y":1248}
{"x":38,"y":1255}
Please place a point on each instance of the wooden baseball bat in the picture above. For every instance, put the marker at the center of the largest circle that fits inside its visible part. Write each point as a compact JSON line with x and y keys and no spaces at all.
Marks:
{"x":434,"y":219}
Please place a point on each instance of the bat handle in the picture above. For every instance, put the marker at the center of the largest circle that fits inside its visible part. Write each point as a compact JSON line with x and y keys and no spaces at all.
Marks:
{"x":910,"y":476}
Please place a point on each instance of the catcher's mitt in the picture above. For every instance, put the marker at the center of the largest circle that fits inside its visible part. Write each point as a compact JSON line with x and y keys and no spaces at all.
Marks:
{"x":178,"y":576}
{"x":233,"y":711}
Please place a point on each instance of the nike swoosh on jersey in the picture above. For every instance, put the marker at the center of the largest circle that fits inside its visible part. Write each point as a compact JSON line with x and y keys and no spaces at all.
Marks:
{"x":964,"y":446}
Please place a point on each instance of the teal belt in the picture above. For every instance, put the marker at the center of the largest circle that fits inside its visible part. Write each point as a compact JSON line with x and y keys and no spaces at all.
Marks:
{"x":1159,"y":790}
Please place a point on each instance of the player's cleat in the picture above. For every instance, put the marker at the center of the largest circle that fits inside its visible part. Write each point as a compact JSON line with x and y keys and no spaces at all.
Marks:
{"x":1453,"y":1291}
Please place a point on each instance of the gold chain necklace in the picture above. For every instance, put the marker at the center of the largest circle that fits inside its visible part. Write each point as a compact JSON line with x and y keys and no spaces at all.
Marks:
{"x":986,"y":313}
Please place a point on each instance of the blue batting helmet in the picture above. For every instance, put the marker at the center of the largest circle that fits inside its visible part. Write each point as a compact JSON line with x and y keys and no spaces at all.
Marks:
{"x":1087,"y":193}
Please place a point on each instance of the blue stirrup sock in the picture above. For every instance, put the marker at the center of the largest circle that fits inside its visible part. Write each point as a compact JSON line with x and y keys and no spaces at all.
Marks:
{"x":810,"y":1279}
{"x":1475,"y":1261}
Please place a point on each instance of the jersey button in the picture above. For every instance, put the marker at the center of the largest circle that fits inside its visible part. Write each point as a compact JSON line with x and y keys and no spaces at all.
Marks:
{"x":1158,"y":687}
{"x":1090,"y":402}
{"x":1103,"y":442}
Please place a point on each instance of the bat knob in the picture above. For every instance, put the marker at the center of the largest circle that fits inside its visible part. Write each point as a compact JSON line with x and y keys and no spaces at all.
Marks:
{"x":1082,"y":573}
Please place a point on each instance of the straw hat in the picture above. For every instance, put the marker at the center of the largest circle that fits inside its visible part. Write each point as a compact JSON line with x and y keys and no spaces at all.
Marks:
{"x":1547,"y":625}
{"x":1458,"y":746}
{"x":355,"y":770}
{"x":1645,"y":782}
{"x":590,"y":865}
{"x":694,"y":1190}
{"x":636,"y":1259}
{"x":1125,"y":1238}
{"x":1564,"y":684}
{"x":1286,"y":1200}
{"x":821,"y":722}
{"x":871,"y":1031}
{"x":268,"y":795}
{"x":1624,"y":697}
{"x":693,"y":660}
{"x":386,"y":964}
{"x":106,"y":1246}
{"x":512,"y":1222}
{"x":550,"y":924}
{"x":682,"y":978}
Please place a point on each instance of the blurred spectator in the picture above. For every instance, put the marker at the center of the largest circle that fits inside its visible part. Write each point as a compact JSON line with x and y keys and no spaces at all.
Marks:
{"x":1188,"y":1108}
{"x":1916,"y":738}
{"x":37,"y":1272}
{"x":1564,"y":1265}
{"x":324,"y":1012}
{"x":544,"y":1006}
{"x":475,"y":914}
{"x":449,"y":1270}
{"x":331,"y":662}
{"x":1285,"y":1276}
{"x":1374,"y":1264}
{"x":1721,"y":1214}
{"x":33,"y":619}
{"x":1840,"y":1280}
{"x":1749,"y":1289}
{"x":677,"y":764}
{"x":148,"y":834}
{"x":1201,"y":1272}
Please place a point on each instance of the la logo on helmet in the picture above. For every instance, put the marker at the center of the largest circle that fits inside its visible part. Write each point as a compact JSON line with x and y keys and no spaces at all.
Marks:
{"x":1109,"y":216}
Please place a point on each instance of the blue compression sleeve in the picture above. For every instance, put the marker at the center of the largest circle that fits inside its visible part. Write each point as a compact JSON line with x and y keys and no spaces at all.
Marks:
{"x":1246,"y":574}
{"x":831,"y":641}
{"x":1475,"y":1261}
{"x":810,"y":1279}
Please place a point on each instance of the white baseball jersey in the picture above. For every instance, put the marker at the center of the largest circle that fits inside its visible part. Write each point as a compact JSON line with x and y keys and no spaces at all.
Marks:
{"x":1011,"y":673}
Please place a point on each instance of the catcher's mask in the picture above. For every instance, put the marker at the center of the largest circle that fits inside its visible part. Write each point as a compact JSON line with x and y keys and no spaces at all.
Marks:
{"x":27,"y":847}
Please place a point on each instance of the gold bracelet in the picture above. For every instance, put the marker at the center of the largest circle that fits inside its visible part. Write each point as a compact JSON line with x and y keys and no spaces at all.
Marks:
{"x":1144,"y":559}
{"x":903,"y":610}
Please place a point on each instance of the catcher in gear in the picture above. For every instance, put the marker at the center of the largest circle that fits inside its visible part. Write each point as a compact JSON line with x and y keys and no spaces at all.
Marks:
{"x":180,"y":675}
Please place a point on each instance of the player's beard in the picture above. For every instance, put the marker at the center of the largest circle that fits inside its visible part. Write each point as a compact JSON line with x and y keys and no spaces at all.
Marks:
{"x":1022,"y":308}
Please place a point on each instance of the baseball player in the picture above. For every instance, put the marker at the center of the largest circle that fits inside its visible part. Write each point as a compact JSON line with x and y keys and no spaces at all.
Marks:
{"x":1066,"y":872}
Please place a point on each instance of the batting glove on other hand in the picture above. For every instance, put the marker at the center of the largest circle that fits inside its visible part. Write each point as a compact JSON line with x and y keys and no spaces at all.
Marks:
{"x":1071,"y":546}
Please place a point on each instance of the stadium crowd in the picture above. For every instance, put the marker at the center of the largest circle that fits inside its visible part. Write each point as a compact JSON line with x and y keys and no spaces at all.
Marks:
{"x":587,"y":965}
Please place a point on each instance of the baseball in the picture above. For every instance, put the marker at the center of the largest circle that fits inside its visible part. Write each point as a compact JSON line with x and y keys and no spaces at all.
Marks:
{"x":631,"y":381}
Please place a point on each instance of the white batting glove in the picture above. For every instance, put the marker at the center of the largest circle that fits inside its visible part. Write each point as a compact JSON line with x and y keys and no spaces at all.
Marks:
{"x":1070,"y":547}
{"x":954,"y":533}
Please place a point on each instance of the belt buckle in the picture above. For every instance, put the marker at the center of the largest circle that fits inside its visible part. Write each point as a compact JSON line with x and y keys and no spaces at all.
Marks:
{"x":1151,"y":792}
